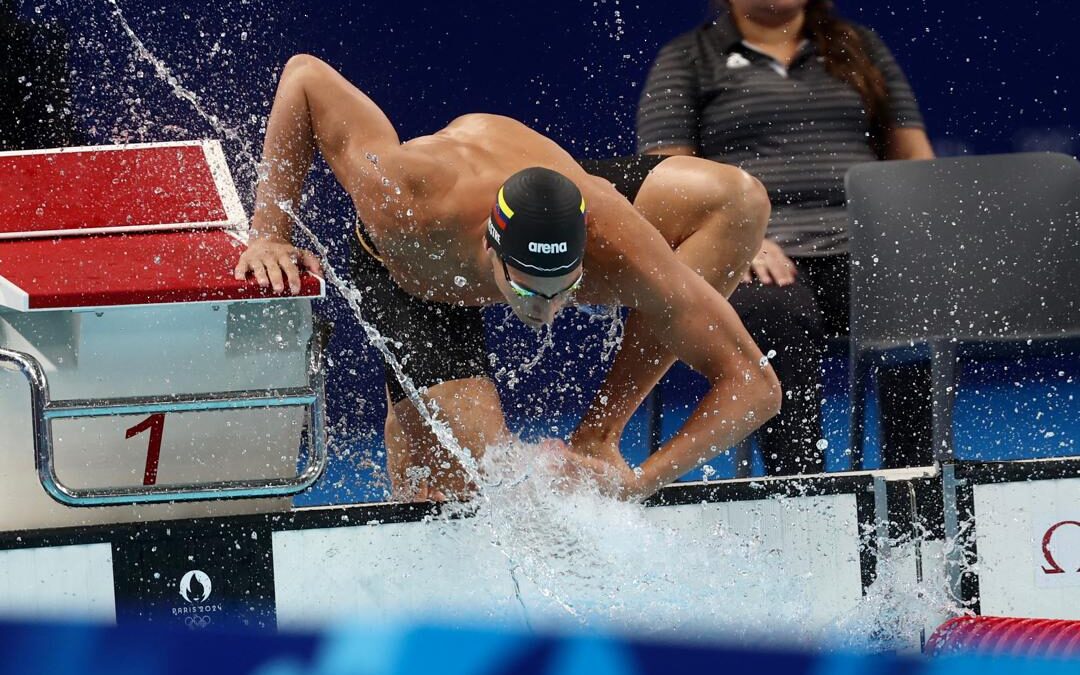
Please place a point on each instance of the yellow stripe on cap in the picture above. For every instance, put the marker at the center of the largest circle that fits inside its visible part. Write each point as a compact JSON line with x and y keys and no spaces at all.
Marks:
{"x":504,"y":206}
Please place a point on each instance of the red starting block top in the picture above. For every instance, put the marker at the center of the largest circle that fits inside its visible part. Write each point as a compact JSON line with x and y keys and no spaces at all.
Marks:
{"x":133,"y":188}
{"x":129,"y":269}
{"x":82,"y":228}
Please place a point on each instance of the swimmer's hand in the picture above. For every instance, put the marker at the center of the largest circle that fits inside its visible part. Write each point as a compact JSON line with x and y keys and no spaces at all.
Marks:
{"x":273,"y":261}
{"x":610,"y":474}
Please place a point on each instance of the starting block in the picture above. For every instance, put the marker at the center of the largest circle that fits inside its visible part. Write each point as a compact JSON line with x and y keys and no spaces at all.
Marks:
{"x":134,"y":368}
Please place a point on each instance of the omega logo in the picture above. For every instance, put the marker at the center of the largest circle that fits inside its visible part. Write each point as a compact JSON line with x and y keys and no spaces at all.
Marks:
{"x":1052,"y":566}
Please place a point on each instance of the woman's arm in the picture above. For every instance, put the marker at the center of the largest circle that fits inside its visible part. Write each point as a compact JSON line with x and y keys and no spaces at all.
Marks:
{"x":906,"y":137}
{"x":908,"y":143}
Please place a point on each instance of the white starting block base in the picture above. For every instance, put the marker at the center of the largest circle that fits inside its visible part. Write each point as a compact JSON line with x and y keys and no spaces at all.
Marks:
{"x":158,"y":350}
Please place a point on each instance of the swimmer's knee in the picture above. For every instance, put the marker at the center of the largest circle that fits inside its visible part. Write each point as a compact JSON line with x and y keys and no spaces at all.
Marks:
{"x":304,"y":65}
{"x":744,"y":203}
{"x":298,"y":62}
{"x":301,"y":59}
{"x":756,"y":200}
{"x":712,"y":187}
{"x":735,"y":189}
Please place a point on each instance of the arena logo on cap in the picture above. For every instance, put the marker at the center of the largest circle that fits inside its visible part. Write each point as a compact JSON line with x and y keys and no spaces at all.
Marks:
{"x":538,"y":247}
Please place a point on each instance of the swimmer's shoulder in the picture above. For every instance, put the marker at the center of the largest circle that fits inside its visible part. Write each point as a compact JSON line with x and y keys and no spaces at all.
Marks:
{"x":472,"y":121}
{"x":410,"y":175}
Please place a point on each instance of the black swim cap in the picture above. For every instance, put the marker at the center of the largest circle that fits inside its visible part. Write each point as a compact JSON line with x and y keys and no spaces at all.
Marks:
{"x":537,"y":224}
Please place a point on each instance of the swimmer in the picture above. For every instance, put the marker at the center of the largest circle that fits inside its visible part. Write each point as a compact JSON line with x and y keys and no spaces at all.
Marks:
{"x":488,"y":211}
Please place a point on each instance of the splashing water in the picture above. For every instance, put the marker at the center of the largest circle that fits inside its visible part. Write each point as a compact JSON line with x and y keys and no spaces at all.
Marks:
{"x":166,"y":76}
{"x":614,"y":334}
{"x":601,"y":562}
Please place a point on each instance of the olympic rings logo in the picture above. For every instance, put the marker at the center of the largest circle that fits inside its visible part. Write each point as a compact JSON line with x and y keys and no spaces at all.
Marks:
{"x":194,"y":622}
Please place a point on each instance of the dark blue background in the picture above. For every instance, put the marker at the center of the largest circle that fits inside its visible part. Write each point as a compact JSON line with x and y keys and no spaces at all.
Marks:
{"x":991,"y":77}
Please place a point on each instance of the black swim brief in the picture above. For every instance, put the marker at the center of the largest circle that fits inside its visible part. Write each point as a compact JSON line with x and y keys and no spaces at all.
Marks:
{"x":625,"y":173}
{"x":442,"y":342}
{"x":439,"y":341}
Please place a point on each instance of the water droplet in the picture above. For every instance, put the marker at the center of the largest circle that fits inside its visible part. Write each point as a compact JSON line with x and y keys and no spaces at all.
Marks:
{"x":460,"y":281}
{"x":821,"y":444}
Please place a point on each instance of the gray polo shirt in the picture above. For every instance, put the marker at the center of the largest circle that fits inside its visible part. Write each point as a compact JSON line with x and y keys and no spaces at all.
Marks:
{"x":798,"y":130}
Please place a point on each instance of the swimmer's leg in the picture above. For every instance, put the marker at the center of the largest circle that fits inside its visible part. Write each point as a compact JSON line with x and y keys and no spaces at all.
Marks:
{"x":714,"y":216}
{"x":400,"y":457}
{"x":472,"y":410}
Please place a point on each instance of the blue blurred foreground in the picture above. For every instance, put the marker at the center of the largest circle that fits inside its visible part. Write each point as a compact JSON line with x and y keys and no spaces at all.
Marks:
{"x":389,"y":650}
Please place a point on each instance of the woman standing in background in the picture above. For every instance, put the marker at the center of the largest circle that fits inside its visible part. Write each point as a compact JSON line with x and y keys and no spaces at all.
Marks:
{"x":795,"y":95}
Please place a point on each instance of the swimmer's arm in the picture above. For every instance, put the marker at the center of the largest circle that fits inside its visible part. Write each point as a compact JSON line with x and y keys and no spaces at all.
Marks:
{"x":706,"y":333}
{"x":700,"y":328}
{"x":314,"y":107}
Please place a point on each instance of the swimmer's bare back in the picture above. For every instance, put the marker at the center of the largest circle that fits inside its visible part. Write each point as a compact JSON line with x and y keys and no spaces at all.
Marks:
{"x":424,"y":202}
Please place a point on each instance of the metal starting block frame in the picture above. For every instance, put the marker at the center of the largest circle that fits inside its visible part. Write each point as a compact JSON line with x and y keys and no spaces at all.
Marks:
{"x":44,"y":410}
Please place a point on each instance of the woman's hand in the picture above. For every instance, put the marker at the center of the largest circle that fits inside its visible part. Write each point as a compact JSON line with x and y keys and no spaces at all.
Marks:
{"x":771,"y":265}
{"x":273,"y":261}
